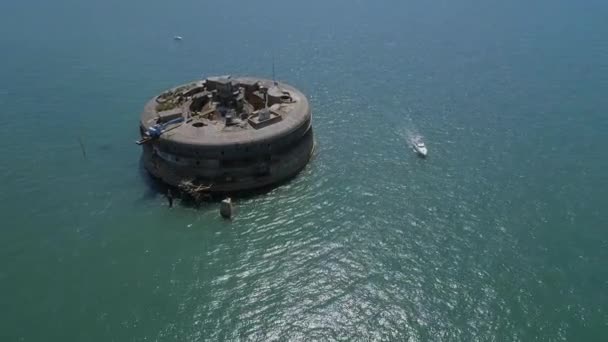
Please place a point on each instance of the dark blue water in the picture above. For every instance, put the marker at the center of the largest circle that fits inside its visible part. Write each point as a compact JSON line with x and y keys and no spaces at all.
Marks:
{"x":500,"y":235}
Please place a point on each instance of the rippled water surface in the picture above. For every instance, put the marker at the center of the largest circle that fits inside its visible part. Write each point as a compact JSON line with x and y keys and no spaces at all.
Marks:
{"x":500,"y":235}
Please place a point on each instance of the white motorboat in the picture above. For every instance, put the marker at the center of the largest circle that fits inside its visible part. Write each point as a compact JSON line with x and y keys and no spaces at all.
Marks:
{"x":420,"y":147}
{"x":178,"y":38}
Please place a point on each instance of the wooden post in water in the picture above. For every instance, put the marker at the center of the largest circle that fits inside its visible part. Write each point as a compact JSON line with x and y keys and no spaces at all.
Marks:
{"x":226,"y":208}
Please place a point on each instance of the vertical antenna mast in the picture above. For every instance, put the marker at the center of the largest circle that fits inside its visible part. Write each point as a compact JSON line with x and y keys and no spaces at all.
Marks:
{"x":273,"y":78}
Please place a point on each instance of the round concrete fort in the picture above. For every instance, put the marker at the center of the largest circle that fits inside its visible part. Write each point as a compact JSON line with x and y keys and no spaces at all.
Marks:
{"x":226,"y":134}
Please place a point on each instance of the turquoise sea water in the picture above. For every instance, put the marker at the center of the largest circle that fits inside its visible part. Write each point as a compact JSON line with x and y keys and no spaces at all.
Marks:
{"x":500,"y":235}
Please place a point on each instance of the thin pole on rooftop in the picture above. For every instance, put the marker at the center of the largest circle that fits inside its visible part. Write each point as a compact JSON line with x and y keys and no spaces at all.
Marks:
{"x":273,"y":75}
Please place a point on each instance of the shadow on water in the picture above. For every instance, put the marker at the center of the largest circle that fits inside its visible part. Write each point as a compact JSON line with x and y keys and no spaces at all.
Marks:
{"x":154,"y":187}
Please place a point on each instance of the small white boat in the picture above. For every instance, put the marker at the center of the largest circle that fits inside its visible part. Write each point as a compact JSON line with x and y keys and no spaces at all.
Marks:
{"x":420,"y":147}
{"x":178,"y":38}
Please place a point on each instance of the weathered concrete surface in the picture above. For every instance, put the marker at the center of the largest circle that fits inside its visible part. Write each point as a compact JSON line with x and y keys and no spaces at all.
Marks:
{"x":222,"y":146}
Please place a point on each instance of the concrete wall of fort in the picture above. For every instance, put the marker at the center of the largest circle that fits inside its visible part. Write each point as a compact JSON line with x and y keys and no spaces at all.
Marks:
{"x":235,"y":151}
{"x":229,"y":177}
